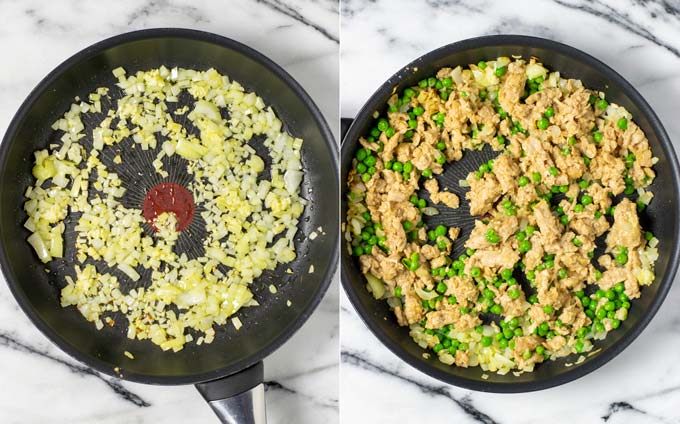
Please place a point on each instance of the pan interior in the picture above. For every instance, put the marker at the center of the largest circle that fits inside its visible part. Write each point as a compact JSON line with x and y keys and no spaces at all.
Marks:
{"x":266,"y":326}
{"x":661,"y":217}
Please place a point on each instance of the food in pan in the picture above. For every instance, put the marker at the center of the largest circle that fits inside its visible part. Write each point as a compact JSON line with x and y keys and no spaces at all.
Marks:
{"x":557,"y":254}
{"x":118,"y":235}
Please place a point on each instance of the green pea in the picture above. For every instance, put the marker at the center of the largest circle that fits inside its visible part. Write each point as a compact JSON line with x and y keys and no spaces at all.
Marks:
{"x":408,"y":167}
{"x":383,"y":124}
{"x":553,"y":171}
{"x":543,"y":124}
{"x":597,"y":136}
{"x":496,"y":309}
{"x":482,"y":64}
{"x":531,"y":275}
{"x":361,"y":154}
{"x":421,"y":203}
{"x":523,"y":181}
{"x":501,"y":71}
{"x":622,"y":123}
{"x":548,"y":309}
{"x":609,"y":306}
{"x":562,"y":273}
{"x":524,"y":246}
{"x":475,"y":272}
{"x":549,"y":112}
{"x":441,"y":160}
{"x":441,"y":288}
{"x":513,"y":293}
{"x":571,"y":141}
{"x":366,"y":177}
{"x":397,"y":166}
{"x":602,"y":104}
{"x":506,"y":273}
{"x":601,"y":313}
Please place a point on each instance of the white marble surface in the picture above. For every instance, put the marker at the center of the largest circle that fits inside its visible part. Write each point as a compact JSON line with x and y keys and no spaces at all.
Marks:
{"x":639,"y":39}
{"x":43,"y":385}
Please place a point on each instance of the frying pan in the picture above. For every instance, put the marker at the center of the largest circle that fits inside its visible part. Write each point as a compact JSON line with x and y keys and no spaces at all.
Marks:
{"x":661,"y":217}
{"x":228,"y":372}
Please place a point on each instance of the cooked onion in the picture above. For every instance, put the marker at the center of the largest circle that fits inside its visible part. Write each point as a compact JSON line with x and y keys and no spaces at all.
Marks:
{"x":243,"y":213}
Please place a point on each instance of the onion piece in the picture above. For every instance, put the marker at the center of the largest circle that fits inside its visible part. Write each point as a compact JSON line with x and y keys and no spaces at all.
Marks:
{"x":425,"y":295}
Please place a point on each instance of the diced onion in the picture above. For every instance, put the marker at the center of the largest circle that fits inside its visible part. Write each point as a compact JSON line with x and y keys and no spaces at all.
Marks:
{"x":251,"y":222}
{"x":375,"y":286}
{"x":425,"y":295}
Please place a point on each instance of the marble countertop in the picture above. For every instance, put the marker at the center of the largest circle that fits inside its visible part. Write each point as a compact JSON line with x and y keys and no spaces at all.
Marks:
{"x":641,"y":40}
{"x":43,"y":385}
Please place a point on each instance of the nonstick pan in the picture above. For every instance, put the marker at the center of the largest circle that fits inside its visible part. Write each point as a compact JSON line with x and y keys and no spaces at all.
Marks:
{"x":228,"y":371}
{"x":661,"y":217}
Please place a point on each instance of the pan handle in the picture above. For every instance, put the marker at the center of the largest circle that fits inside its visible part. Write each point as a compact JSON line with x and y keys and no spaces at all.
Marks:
{"x":238,"y":398}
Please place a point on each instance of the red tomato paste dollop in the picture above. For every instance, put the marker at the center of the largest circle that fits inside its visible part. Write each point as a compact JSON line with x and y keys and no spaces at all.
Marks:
{"x":169,"y":197}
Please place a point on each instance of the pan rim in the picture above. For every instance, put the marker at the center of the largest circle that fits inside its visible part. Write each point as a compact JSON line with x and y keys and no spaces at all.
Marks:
{"x":374,"y":103}
{"x":319,"y":120}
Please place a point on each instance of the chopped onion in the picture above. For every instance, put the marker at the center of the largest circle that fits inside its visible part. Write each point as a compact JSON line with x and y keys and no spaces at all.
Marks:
{"x":430,"y":211}
{"x":375,"y":286}
{"x":243,"y":213}
{"x":425,"y":295}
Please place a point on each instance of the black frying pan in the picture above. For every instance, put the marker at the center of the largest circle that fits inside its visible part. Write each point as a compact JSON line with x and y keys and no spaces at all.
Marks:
{"x":231,"y":365}
{"x":662,"y":217}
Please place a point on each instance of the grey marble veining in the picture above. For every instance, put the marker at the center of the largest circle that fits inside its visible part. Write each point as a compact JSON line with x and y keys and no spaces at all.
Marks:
{"x":41,"y":384}
{"x":639,"y":39}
